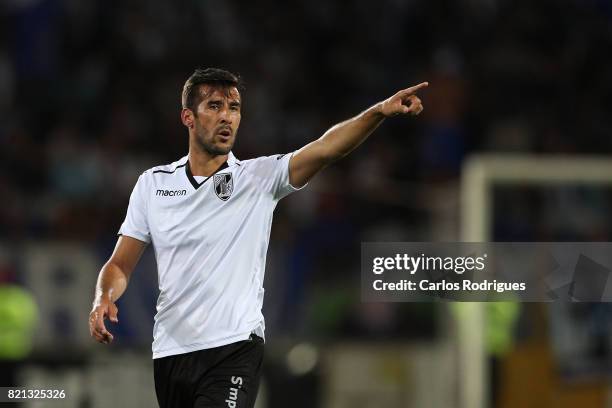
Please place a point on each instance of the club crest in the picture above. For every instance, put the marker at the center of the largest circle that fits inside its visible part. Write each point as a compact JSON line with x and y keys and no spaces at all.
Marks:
{"x":224,"y":185}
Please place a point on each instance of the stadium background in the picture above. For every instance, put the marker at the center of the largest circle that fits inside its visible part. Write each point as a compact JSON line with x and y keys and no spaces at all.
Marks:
{"x":89,"y":98}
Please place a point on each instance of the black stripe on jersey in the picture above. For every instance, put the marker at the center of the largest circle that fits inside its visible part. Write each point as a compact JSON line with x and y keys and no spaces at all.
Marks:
{"x":192,"y":179}
{"x":169,"y":172}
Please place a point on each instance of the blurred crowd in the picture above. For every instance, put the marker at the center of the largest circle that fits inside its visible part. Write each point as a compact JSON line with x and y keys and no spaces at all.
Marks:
{"x":90,"y":98}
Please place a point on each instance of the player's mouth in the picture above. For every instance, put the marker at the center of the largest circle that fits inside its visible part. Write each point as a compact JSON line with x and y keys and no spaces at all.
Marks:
{"x":225,"y":134}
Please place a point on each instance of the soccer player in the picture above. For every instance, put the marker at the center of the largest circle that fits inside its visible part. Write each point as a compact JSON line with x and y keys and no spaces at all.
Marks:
{"x":208,"y":216}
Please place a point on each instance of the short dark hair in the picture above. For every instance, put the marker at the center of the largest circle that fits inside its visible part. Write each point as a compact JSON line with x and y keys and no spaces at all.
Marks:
{"x":192,"y":95}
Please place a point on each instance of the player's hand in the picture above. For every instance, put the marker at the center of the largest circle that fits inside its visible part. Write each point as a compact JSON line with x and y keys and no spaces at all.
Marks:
{"x":404,"y":102}
{"x":101,"y":310}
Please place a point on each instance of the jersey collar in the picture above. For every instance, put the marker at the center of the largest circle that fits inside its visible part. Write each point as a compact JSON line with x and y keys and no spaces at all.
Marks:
{"x":231,"y":160}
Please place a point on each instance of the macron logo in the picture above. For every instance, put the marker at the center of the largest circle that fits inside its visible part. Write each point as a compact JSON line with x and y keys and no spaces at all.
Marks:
{"x":166,"y":193}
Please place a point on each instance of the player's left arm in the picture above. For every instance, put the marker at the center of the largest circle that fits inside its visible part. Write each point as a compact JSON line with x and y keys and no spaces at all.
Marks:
{"x":342,"y":138}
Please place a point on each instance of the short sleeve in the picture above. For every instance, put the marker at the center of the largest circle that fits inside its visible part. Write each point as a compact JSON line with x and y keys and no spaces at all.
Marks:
{"x":136,"y":224}
{"x":274,"y":171}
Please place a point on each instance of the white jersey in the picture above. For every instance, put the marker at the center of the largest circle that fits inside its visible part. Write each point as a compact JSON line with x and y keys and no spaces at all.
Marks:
{"x":210,"y":238}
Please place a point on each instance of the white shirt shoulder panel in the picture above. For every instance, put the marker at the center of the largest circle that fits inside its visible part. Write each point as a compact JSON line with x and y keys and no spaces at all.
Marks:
{"x":169,"y":168}
{"x":136,"y":223}
{"x":272,"y":172}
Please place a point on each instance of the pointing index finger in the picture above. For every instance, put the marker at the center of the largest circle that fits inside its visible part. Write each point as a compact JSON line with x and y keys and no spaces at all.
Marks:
{"x":414,"y":89}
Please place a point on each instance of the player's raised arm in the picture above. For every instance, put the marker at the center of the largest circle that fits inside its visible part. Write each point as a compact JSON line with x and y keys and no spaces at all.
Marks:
{"x":112,"y":282}
{"x":342,"y":138}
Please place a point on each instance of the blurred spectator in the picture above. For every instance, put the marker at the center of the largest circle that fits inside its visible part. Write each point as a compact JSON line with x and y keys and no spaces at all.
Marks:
{"x":18,"y":318}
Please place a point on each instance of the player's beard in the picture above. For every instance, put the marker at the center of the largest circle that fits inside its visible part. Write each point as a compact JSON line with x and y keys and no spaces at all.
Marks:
{"x":210,"y":147}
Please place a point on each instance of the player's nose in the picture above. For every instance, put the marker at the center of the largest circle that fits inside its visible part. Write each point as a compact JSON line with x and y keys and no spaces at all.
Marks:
{"x":224,"y":116}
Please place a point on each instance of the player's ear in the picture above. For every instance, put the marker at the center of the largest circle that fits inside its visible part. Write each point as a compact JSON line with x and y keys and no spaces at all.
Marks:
{"x":187,"y":118}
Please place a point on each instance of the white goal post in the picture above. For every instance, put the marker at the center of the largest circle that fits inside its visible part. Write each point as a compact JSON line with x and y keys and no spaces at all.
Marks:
{"x":480,"y":174}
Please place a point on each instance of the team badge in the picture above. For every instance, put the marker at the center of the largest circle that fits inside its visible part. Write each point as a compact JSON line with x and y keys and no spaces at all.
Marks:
{"x":224,"y":185}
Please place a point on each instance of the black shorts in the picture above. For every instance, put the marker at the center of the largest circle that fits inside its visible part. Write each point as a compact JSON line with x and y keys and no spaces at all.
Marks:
{"x":220,"y":377}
